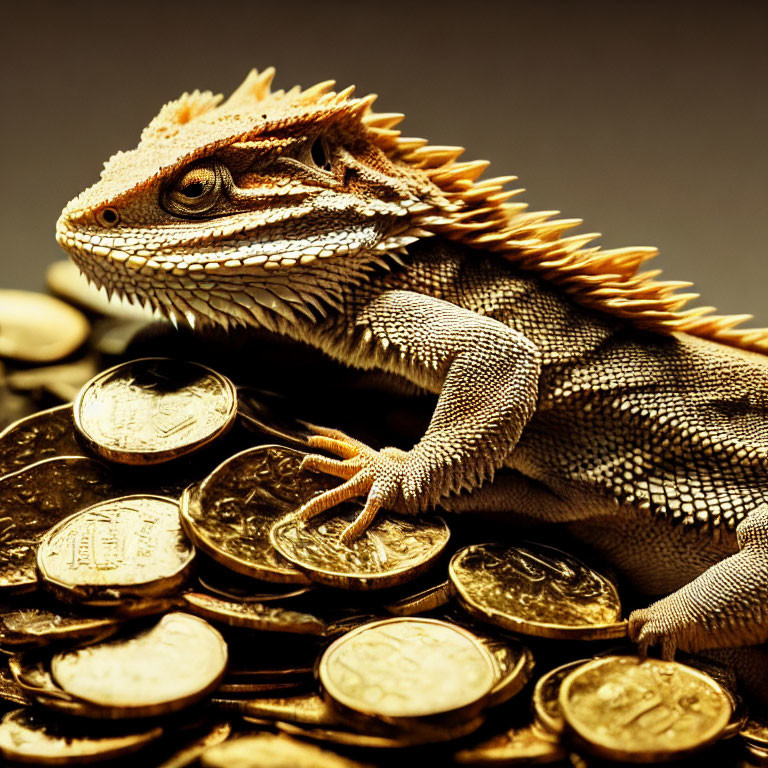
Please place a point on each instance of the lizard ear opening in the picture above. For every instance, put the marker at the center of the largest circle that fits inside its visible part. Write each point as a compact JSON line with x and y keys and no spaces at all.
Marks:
{"x":320,"y":154}
{"x":107,"y":217}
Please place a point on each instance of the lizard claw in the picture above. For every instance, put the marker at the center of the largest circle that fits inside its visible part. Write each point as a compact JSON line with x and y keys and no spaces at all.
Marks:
{"x":378,"y":475}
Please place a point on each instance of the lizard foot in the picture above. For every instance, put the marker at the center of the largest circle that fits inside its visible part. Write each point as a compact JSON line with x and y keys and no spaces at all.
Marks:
{"x":723,"y":607}
{"x":378,"y":475}
{"x":657,"y":625}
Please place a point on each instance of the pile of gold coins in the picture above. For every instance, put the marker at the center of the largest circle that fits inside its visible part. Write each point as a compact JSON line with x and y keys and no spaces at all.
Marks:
{"x":163,"y":602}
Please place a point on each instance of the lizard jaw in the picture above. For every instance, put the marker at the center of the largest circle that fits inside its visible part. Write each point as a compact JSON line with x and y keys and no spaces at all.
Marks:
{"x":231,"y":294}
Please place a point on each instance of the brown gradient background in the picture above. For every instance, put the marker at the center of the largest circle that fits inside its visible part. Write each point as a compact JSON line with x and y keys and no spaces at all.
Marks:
{"x":649,"y":119}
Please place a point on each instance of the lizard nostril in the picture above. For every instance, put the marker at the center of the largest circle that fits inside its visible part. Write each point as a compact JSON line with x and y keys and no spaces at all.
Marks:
{"x":107,"y":217}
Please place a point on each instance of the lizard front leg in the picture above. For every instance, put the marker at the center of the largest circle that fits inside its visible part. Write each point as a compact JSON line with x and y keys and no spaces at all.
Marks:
{"x":487,"y":375}
{"x":725,"y":606}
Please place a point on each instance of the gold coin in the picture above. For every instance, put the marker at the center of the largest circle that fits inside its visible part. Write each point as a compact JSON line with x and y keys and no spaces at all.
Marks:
{"x":523,"y":745}
{"x":624,"y":708}
{"x":407,"y":668}
{"x":424,"y":600}
{"x":514,"y":665}
{"x":35,"y":498}
{"x":121,"y":549}
{"x":256,"y":415}
{"x":63,"y":381}
{"x":243,"y":589}
{"x":29,"y":670}
{"x":28,"y":736}
{"x":392,"y":550}
{"x":739,"y":715}
{"x":294,"y":674}
{"x":31,"y":627}
{"x":536,"y":590}
{"x":230,"y":514}
{"x":307,"y":709}
{"x":153,"y":410}
{"x":754,"y":757}
{"x":404,"y":739}
{"x":159,"y":670}
{"x":260,"y":689}
{"x":32,"y":675}
{"x":755,"y":732}
{"x":191,"y":751}
{"x":42,"y":435}
{"x":10,"y":690}
{"x":513,"y":662}
{"x":38,"y":328}
{"x":266,"y":750}
{"x":256,"y":616}
{"x":545,"y":697}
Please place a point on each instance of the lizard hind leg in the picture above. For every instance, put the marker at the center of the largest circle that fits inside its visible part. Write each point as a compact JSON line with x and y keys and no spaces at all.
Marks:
{"x":724,"y":607}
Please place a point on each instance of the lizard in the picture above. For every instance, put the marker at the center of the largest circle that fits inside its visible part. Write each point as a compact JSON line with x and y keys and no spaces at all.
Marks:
{"x":573,"y":385}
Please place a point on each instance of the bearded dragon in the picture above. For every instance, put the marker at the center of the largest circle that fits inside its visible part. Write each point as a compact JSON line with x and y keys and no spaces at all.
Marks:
{"x":574,"y":387}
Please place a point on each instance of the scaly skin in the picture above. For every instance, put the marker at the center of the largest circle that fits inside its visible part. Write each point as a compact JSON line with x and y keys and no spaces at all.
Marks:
{"x":564,"y":394}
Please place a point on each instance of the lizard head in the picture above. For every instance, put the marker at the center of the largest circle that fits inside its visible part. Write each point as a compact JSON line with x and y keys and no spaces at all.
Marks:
{"x":243,"y":210}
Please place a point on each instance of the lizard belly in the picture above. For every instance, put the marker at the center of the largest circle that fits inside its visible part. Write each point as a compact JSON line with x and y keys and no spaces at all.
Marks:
{"x":655,"y":557}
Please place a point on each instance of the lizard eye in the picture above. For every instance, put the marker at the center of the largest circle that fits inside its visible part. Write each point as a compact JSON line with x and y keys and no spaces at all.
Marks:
{"x":196,"y":191}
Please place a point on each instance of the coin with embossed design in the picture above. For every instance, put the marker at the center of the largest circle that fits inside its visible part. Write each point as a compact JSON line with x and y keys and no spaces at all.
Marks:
{"x":28,"y":736}
{"x":625,"y":708}
{"x":392,"y":550}
{"x":37,"y":497}
{"x":42,"y":435}
{"x":169,"y":666}
{"x":124,"y":548}
{"x":153,"y":410}
{"x":404,"y":669}
{"x":536,"y":590}
{"x":229,"y":515}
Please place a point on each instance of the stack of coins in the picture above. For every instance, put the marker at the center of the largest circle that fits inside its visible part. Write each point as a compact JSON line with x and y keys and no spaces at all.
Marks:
{"x":163,"y":602}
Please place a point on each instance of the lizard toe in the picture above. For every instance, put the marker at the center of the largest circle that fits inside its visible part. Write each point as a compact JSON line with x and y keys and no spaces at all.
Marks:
{"x":655,"y":626}
{"x":344,"y":469}
{"x":347,"y":448}
{"x":357,"y":485}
